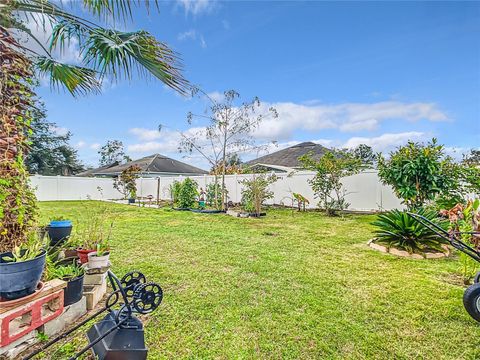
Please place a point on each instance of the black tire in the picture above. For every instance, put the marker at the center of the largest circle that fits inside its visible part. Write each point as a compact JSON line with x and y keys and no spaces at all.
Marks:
{"x":471,"y":301}
{"x":476,"y":279}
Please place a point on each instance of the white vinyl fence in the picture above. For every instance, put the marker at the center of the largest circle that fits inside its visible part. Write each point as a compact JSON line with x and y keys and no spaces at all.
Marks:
{"x":364,"y":191}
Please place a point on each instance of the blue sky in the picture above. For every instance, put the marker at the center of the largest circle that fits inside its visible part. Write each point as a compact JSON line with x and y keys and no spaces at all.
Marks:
{"x":339,"y":73}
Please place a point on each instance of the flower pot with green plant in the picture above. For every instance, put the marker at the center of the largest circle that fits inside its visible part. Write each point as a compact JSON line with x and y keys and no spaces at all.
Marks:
{"x":71,"y":272}
{"x":22,"y":268}
{"x":91,"y":234}
{"x":101,"y":257}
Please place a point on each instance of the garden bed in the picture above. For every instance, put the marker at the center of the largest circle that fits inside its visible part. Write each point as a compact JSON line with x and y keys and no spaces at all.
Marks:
{"x":402,"y":253}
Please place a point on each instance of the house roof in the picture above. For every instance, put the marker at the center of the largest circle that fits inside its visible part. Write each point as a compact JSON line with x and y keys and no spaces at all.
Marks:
{"x":153,"y":164}
{"x":289,"y":157}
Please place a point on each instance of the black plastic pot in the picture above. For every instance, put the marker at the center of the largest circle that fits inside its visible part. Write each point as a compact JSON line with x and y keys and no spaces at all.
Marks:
{"x":74,"y":291}
{"x":19,"y":279}
{"x":59,"y":231}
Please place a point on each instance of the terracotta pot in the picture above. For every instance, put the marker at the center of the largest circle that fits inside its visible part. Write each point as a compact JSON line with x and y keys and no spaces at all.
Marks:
{"x":83,"y":255}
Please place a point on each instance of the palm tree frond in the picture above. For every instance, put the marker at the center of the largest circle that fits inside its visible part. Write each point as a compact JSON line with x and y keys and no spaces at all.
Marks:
{"x":119,"y":54}
{"x":116,"y":9}
{"x":77,"y":80}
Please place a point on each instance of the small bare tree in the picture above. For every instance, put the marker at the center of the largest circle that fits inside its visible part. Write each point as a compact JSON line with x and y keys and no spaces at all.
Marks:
{"x":228,"y":131}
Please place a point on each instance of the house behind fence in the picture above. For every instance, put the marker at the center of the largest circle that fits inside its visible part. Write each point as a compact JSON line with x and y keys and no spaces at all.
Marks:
{"x":363,"y":191}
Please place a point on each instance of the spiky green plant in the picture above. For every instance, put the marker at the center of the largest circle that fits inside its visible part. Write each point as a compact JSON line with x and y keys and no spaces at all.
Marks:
{"x":399,"y":230}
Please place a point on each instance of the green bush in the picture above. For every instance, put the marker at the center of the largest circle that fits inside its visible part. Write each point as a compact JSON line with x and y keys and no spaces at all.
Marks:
{"x":418,"y":173}
{"x":399,"y":230}
{"x":184,"y":193}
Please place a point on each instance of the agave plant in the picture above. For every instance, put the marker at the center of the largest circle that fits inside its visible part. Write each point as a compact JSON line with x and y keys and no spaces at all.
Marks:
{"x":399,"y":230}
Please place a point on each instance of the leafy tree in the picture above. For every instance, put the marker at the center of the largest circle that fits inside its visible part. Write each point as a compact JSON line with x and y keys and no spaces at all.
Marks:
{"x":255,"y":192}
{"x":329,"y":170}
{"x":473,"y":158}
{"x":49,"y":153}
{"x":113,"y":153}
{"x":365,"y":154}
{"x":227,"y":132}
{"x":420,"y":172}
{"x":126,"y":183}
{"x":105,"y":52}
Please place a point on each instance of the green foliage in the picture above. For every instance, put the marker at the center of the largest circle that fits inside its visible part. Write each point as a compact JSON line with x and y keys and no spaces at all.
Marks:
{"x":17,"y":200}
{"x":214,"y":195}
{"x":255,"y":192}
{"x":96,"y":231}
{"x":62,"y":271}
{"x":399,"y":230}
{"x":105,"y":50}
{"x":28,"y":250}
{"x":365,"y":154}
{"x":329,"y":170}
{"x":126,"y":182}
{"x":49,"y":153}
{"x":187,"y":194}
{"x":465,"y":219}
{"x":175,"y":188}
{"x":301,"y":200}
{"x":419,"y":172}
{"x":112,"y":153}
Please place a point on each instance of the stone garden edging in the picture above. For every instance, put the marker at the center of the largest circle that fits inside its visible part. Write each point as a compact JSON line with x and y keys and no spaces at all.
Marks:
{"x":403,"y":253}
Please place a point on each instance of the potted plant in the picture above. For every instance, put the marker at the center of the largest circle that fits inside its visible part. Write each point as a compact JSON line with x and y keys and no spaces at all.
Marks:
{"x":101,"y":257}
{"x":22,"y":268}
{"x":91,"y":234}
{"x":59,"y":230}
{"x":71,"y":272}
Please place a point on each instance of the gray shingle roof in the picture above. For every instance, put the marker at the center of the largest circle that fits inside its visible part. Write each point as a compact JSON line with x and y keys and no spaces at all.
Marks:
{"x":289,"y":157}
{"x":155,"y":163}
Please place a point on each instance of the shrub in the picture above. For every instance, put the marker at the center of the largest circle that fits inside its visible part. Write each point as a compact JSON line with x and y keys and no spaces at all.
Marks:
{"x":255,"y":191}
{"x":419,"y":172}
{"x":184,"y":193}
{"x":399,"y":230}
{"x":326,"y":184}
{"x":126,"y":182}
{"x":214,"y":195}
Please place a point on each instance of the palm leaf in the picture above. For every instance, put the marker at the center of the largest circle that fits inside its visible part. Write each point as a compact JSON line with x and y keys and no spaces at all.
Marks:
{"x":77,"y":80}
{"x":121,"y":53}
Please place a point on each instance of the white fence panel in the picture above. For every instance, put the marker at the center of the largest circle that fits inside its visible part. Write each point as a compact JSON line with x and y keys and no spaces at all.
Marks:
{"x":363,"y":191}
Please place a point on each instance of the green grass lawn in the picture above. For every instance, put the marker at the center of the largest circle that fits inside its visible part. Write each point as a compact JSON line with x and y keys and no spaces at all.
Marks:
{"x":288,"y":286}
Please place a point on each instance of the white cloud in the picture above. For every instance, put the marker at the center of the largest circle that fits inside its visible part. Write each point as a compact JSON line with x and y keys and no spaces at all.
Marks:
{"x":58,"y":130}
{"x":216,"y":96}
{"x":203,"y":43}
{"x":145,"y":134}
{"x":345,"y":117}
{"x":81,"y":144}
{"x":386,"y":141}
{"x":193,"y":35}
{"x":186,"y":35}
{"x":197,"y":7}
{"x":95,"y":146}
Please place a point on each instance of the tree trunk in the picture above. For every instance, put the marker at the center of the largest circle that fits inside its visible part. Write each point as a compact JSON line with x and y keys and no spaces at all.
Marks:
{"x":17,"y":201}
